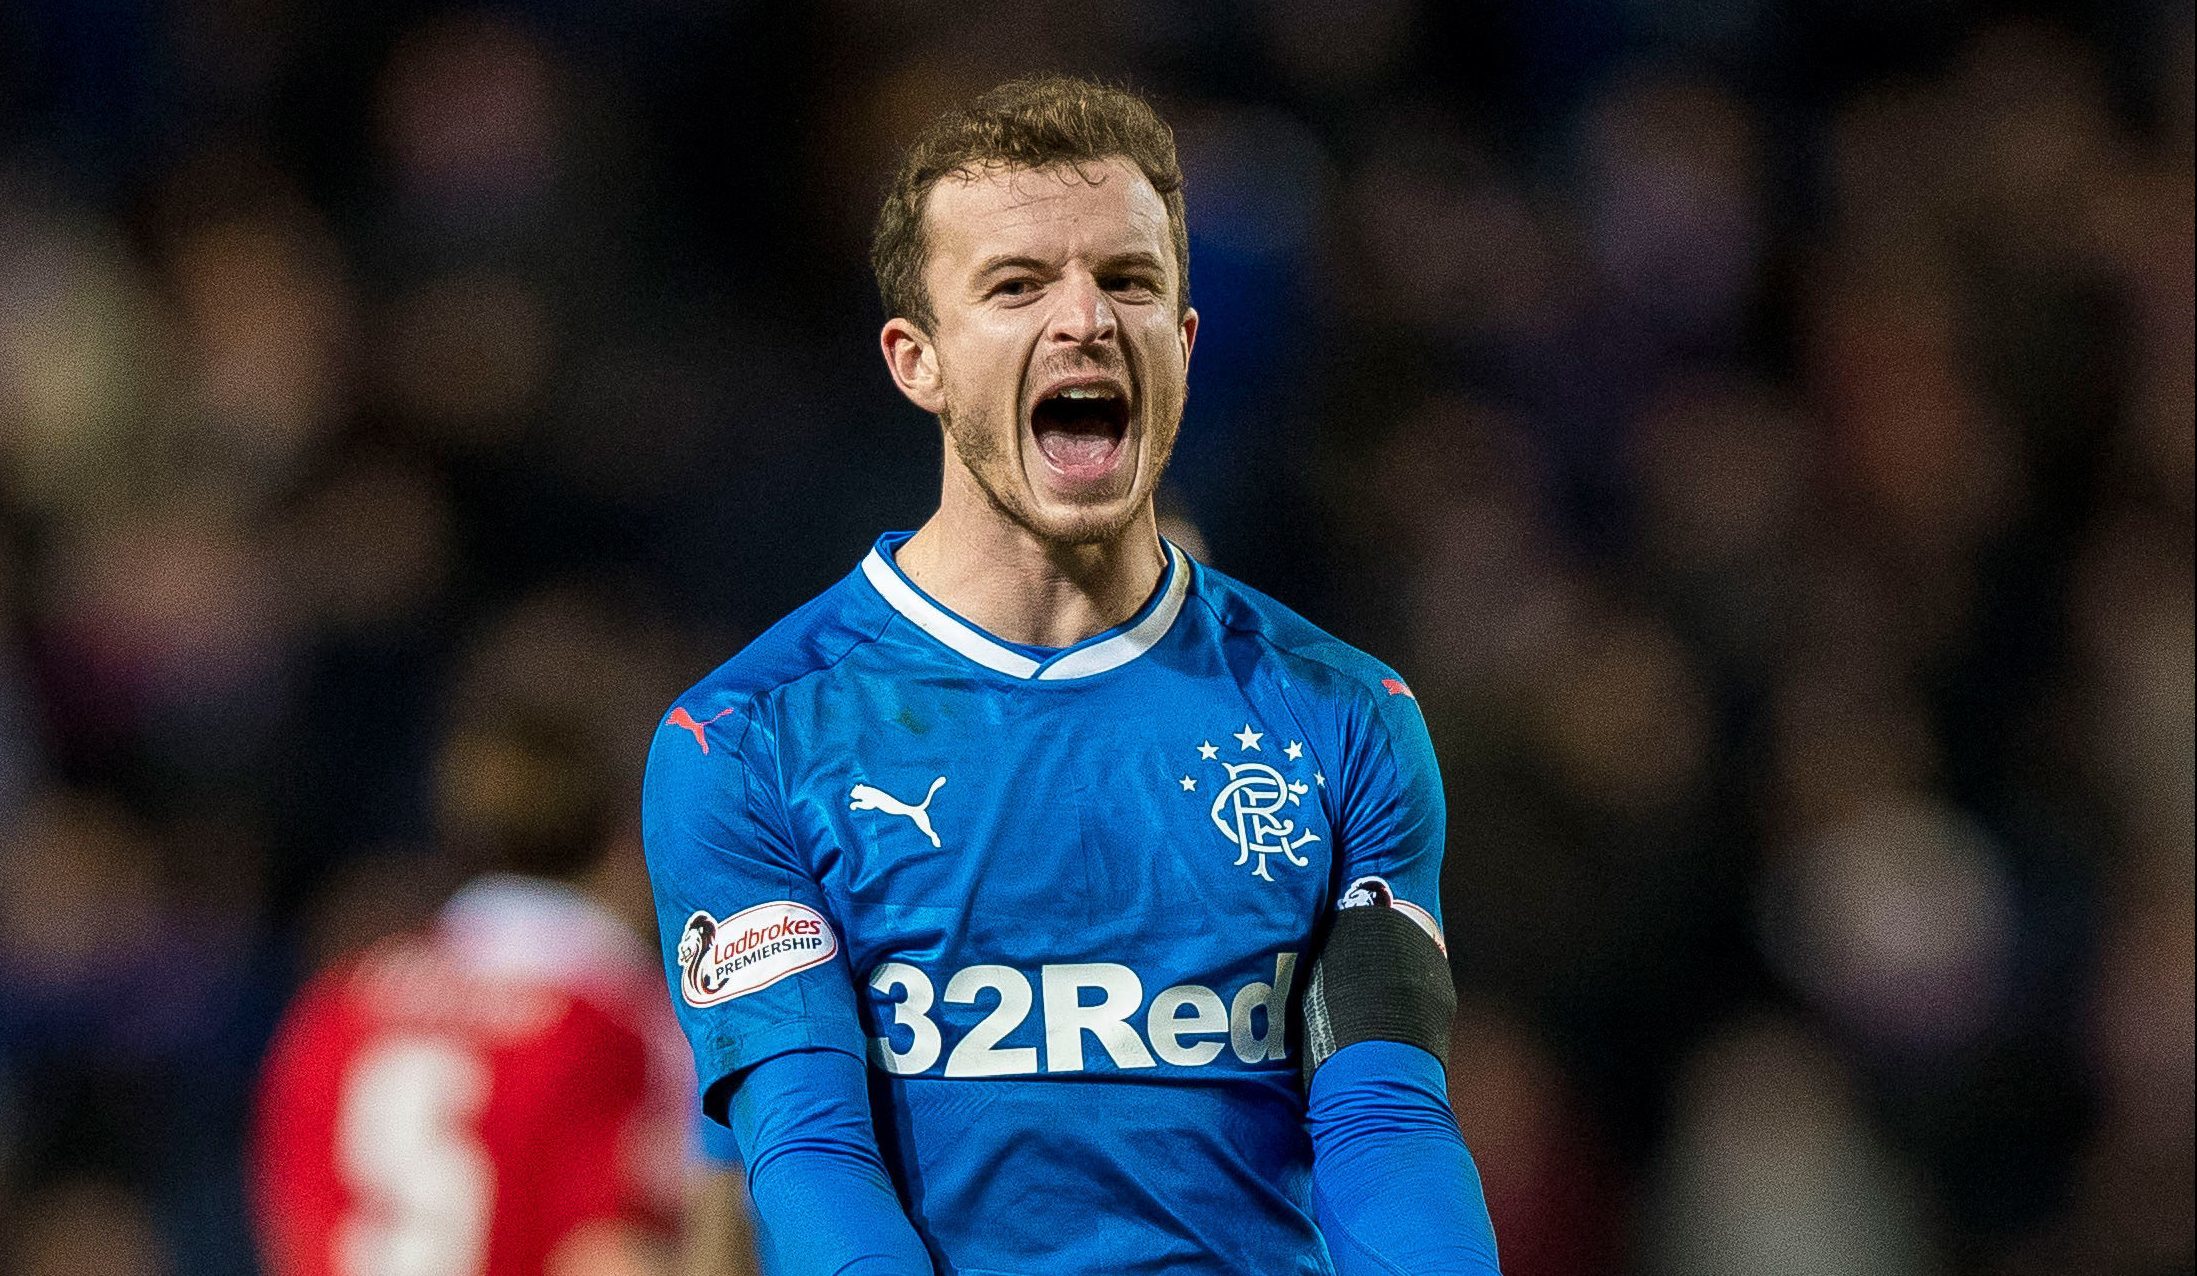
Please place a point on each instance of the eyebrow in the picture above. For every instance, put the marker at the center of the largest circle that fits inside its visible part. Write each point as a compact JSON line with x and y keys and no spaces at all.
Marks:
{"x":1139,"y":258}
{"x":1008,"y":261}
{"x":1012,"y":262}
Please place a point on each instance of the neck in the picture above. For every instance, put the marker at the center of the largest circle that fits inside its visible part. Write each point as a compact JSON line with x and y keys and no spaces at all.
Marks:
{"x":1008,"y":581}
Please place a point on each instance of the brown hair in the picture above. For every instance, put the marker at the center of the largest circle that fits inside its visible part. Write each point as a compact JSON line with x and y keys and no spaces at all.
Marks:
{"x":1031,"y":123}
{"x":533,"y":793}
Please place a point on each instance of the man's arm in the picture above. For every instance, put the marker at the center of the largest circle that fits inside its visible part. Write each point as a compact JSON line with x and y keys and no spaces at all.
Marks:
{"x":826,"y":1203}
{"x":1394,"y":1188}
{"x":766,"y":999}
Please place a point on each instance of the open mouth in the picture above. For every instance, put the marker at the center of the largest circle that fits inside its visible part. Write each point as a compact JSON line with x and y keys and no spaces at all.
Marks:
{"x":1080,"y":427}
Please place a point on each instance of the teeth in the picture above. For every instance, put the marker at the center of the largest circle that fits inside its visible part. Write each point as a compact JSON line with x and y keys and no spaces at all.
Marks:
{"x":1087,"y":392}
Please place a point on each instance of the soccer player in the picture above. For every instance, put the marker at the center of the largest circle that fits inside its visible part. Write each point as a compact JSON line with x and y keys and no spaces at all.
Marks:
{"x":1037,"y":899}
{"x":505,"y":1094}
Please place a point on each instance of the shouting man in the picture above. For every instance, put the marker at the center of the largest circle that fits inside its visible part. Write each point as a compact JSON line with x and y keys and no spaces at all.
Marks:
{"x":1037,"y":899}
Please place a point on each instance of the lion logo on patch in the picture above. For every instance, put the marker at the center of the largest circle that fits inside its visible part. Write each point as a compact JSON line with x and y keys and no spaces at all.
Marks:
{"x":694,"y":946}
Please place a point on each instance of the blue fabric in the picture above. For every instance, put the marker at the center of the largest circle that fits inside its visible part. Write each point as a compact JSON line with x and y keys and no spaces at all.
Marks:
{"x":713,"y":1144}
{"x":1058,"y":904}
{"x":1396,"y":1190}
{"x":824,"y":1205}
{"x":1030,"y":649}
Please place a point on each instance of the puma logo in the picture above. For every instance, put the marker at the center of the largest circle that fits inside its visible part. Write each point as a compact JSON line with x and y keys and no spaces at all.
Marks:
{"x":682,"y":719}
{"x":868,"y":797}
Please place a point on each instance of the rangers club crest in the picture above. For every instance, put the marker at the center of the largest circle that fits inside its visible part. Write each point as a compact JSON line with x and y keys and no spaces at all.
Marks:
{"x":1258,"y":807}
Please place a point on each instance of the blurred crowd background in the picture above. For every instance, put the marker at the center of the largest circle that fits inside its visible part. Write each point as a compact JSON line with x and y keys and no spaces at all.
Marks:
{"x":1761,"y":432}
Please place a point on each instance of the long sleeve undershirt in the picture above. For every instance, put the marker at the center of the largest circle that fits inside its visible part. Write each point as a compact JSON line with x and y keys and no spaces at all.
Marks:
{"x":824,"y":1204}
{"x":1394,"y":1189}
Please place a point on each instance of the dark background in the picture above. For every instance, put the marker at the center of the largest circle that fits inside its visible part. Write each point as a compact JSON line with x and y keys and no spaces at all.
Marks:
{"x":1761,"y":433}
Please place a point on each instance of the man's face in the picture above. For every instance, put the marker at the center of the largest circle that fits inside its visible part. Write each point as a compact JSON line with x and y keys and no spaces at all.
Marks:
{"x":1058,"y":352}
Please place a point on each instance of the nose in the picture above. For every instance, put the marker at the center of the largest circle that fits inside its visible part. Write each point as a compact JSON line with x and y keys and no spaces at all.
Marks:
{"x":1084,"y":314}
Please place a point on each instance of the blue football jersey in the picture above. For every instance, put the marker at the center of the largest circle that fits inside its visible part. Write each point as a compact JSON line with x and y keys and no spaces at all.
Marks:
{"x":1058,"y":899}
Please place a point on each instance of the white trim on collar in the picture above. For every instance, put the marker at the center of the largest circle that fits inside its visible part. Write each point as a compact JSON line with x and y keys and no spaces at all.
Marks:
{"x":1075,"y":662}
{"x":1082,"y":662}
{"x":941,"y":624}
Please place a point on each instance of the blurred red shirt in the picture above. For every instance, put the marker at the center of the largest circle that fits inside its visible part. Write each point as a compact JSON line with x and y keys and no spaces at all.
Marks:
{"x":461,"y":1101}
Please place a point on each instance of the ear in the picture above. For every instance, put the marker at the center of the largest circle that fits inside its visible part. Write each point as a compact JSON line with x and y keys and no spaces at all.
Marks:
{"x":1189,"y":333}
{"x":913,"y":360}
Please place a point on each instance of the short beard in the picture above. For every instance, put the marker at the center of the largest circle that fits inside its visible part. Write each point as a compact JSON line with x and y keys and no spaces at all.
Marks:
{"x":979,"y":452}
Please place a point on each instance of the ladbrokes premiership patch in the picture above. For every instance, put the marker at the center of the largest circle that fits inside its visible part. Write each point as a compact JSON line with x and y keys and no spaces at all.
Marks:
{"x":750,"y":950}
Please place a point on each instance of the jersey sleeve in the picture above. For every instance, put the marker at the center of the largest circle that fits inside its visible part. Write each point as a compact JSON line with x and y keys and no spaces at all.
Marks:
{"x":296,"y":1199}
{"x":1394,"y":818}
{"x":752,"y":952}
{"x":600,"y":1153}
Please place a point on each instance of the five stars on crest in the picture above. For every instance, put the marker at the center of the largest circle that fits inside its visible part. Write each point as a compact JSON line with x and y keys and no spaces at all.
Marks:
{"x":1247,"y":740}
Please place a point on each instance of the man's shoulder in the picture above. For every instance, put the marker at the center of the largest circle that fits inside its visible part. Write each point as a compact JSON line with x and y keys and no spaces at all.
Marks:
{"x":1310,"y":652}
{"x":721,"y":710}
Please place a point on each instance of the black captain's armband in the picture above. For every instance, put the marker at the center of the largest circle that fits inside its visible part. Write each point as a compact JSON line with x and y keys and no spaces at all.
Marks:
{"x":1380,"y":978}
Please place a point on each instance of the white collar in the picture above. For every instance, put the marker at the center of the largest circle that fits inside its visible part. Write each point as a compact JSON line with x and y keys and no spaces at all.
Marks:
{"x":1097,"y":654}
{"x":503,"y":923}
